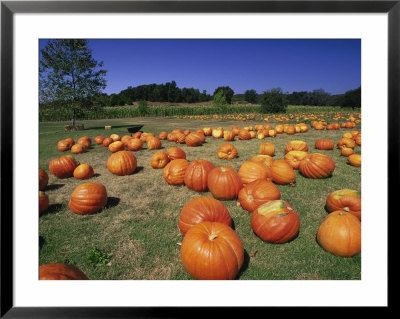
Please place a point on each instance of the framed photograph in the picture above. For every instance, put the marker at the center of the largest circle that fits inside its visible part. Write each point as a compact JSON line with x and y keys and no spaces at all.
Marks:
{"x":154,"y":123}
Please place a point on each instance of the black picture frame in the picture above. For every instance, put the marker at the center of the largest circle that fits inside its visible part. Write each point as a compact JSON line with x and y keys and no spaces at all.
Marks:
{"x":9,"y":8}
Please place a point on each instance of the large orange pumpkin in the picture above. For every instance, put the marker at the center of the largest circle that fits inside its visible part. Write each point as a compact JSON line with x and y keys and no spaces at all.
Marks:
{"x":250,"y":171}
{"x":294,"y":158}
{"x":267,"y":148}
{"x":59,"y":271}
{"x":116,"y":146}
{"x":134,"y":144}
{"x":176,"y":153}
{"x":85,"y":141}
{"x":354,"y":160}
{"x":244,"y":134}
{"x":163,"y":135}
{"x":212,"y":251}
{"x":256,"y":193}
{"x":227,"y":151}
{"x":324,"y":144}
{"x":217,"y":132}
{"x":196,"y":175}
{"x":340,"y":234}
{"x":122,"y":163}
{"x":348,"y":200}
{"x":174,"y":171}
{"x":153,"y":143}
{"x":317,"y":165}
{"x":296,"y":145}
{"x":283,"y":173}
{"x":64,"y":145}
{"x":275,"y":222}
{"x":43,"y":179}
{"x":229,"y":135}
{"x":224,"y":183}
{"x":63,"y":167}
{"x":264,"y":159}
{"x":193,"y":139}
{"x":43,"y":202}
{"x":88,"y":198}
{"x":180,"y":138}
{"x":201,"y":209}
{"x":78,"y":148}
{"x":159,"y":160}
{"x":207,"y":131}
{"x":83,"y":171}
{"x":107,"y":141}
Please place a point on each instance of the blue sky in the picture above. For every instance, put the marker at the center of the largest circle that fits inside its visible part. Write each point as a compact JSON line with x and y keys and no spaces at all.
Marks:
{"x":260,"y":64}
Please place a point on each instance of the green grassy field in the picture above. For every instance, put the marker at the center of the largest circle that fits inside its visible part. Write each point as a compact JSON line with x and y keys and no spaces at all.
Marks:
{"x":136,"y":235}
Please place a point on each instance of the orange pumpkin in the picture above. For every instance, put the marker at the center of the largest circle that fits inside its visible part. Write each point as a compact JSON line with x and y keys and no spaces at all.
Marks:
{"x":354,"y":160}
{"x":217,"y":132}
{"x":257,"y":193}
{"x":229,"y":135}
{"x":64,"y":145}
{"x":212,"y":251}
{"x":295,"y":157}
{"x":115,"y":137}
{"x":275,"y":222}
{"x":207,"y":131}
{"x":324,"y":144}
{"x":193,"y":139}
{"x":348,"y":200}
{"x":59,"y":271}
{"x":244,"y":134}
{"x":88,"y":198}
{"x":43,"y":179}
{"x":227,"y":151}
{"x":43,"y":202}
{"x":83,"y":171}
{"x":317,"y":165}
{"x":196,"y":175}
{"x":283,"y":173}
{"x":201,"y":209}
{"x":99,"y":140}
{"x":134,"y":144}
{"x":346,"y":142}
{"x":174,"y":171}
{"x":267,"y":148}
{"x":63,"y":167}
{"x":122,"y":163}
{"x":116,"y":146}
{"x":78,"y":148}
{"x":85,"y":141}
{"x":159,"y":160}
{"x":224,"y":183}
{"x":340,"y":234}
{"x":176,"y":153}
{"x":153,"y":143}
{"x":264,"y":159}
{"x":180,"y":138}
{"x":346,"y":151}
{"x":296,"y":145}
{"x":125,"y":139}
{"x":250,"y":171}
{"x":107,"y":141}
{"x":163,"y":135}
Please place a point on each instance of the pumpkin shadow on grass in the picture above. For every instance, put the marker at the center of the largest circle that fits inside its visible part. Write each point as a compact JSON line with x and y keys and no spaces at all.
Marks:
{"x":246,"y":262}
{"x":52,"y":209}
{"x":112,"y":202}
{"x":138,"y":169}
{"x":53,"y":187}
{"x":96,"y":175}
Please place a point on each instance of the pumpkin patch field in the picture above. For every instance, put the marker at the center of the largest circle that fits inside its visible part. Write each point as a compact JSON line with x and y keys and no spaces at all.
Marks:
{"x":186,"y":199}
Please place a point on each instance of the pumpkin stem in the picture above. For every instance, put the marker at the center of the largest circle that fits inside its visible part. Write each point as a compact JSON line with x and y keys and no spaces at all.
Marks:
{"x":281,"y":215}
{"x":346,"y":209}
{"x":212,"y":236}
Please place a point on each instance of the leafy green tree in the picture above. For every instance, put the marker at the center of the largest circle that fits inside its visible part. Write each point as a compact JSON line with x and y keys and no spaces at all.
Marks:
{"x":143,"y":108}
{"x":274,"y":101}
{"x":68,"y":73}
{"x":250,"y":96}
{"x":220,"y":101}
{"x":352,"y":98}
{"x":226,"y":91}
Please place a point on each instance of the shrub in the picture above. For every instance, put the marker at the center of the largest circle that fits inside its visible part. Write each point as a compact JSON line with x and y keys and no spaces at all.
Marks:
{"x":143,"y":108}
{"x":220,"y":101}
{"x":274,"y":101}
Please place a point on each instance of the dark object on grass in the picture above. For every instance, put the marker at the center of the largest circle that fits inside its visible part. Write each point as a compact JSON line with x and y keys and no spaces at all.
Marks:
{"x":76,"y":127}
{"x":134,"y":128}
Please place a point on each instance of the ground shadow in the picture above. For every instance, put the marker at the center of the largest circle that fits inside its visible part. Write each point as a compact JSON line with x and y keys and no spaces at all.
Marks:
{"x":41,"y":242}
{"x":53,"y":187}
{"x":138,"y":169}
{"x":96,"y":175}
{"x":233,"y":225}
{"x":112,"y":202}
{"x":246,"y":262}
{"x":53,"y":208}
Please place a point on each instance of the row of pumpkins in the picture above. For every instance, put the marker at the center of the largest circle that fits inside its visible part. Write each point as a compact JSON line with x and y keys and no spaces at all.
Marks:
{"x":205,"y":221}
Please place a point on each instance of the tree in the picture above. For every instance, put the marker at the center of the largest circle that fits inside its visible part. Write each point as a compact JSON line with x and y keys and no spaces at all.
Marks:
{"x":352,"y":98}
{"x":68,"y":73}
{"x":274,"y":101}
{"x":227,"y":92}
{"x":220,"y":101}
{"x":250,"y":96}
